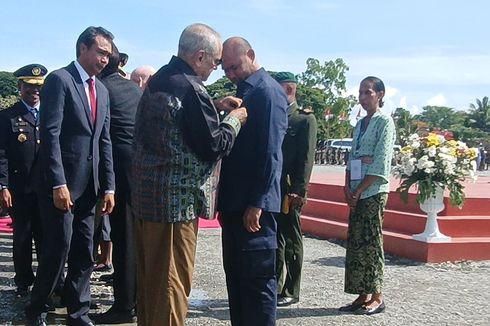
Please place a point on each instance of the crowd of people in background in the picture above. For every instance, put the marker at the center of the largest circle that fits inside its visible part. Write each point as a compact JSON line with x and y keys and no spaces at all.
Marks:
{"x":95,"y":158}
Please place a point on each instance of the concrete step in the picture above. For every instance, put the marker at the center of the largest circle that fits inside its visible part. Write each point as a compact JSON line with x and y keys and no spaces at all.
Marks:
{"x":472,"y":206}
{"x":403,"y":245}
{"x":403,"y":222}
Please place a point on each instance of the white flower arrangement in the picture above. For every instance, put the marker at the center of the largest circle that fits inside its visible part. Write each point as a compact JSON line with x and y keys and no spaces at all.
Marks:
{"x":432,"y":161}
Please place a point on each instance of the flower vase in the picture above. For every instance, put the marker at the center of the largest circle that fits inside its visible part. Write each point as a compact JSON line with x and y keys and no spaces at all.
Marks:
{"x":432,"y":206}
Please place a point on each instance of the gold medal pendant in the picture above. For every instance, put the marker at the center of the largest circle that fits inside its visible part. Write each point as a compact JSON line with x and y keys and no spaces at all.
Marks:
{"x":22,"y":138}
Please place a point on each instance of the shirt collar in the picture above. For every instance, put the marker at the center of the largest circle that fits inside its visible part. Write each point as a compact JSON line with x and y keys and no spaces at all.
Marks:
{"x":83,"y":74}
{"x":181,"y":65}
{"x":35,"y":107}
{"x":254,"y":78}
{"x":250,"y":82}
{"x":292,"y":107}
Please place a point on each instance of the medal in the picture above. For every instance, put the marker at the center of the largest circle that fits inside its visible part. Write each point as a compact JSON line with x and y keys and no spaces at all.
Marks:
{"x":22,"y":138}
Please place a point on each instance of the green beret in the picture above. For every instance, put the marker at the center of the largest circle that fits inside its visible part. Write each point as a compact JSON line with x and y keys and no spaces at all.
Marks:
{"x":285,"y":77}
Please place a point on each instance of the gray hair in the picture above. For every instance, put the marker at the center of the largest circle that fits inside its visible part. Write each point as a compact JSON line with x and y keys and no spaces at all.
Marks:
{"x":197,"y":37}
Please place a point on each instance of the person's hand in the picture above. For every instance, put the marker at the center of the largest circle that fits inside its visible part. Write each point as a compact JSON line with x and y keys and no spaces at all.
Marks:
{"x":354,"y":198}
{"x":62,"y":198}
{"x":241,"y":114}
{"x":251,"y":219}
{"x":348,"y":195}
{"x":228,"y":103}
{"x":5,"y":199}
{"x":295,"y":200}
{"x":108,"y":203}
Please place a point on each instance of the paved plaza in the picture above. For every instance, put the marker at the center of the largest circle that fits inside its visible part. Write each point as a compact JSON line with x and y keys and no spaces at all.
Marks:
{"x":415,"y":293}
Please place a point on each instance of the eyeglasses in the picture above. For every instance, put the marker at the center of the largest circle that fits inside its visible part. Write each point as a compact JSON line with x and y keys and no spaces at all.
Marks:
{"x":216,"y":62}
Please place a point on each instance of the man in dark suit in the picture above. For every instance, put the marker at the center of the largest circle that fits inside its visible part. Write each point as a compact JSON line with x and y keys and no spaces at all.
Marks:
{"x":124,"y":97}
{"x":19,"y":145}
{"x":75,"y":166}
{"x":249,"y":194}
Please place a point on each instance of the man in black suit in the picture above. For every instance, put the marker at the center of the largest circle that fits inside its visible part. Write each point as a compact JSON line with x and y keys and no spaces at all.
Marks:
{"x":75,"y":167}
{"x":19,"y":145}
{"x":124,"y":98}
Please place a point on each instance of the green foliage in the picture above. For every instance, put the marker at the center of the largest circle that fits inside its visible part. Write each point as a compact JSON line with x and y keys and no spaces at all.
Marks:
{"x":8,"y":84}
{"x":221,"y":88}
{"x":405,"y":125}
{"x":441,"y":117}
{"x":7,"y":101}
{"x":479,"y":116}
{"x":322,"y":87}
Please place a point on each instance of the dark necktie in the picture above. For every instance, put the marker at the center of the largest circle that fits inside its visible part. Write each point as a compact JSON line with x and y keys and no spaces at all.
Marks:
{"x":93,"y":100}
{"x":35,"y":113}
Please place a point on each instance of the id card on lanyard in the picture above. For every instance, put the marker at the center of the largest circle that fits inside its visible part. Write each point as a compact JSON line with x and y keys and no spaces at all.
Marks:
{"x":355,"y":169}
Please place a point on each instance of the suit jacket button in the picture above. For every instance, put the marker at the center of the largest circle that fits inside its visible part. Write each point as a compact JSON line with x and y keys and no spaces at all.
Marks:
{"x":89,"y":158}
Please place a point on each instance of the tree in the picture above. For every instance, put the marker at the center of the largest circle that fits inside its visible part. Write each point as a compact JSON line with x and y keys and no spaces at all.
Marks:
{"x":479,"y":116}
{"x":8,"y":89}
{"x":322,"y":87}
{"x":221,"y":88}
{"x":441,"y":117}
{"x":8,"y":84}
{"x":7,"y":101}
{"x":405,"y":125}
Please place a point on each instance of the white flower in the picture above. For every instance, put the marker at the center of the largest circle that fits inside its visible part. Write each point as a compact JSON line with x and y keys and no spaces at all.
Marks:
{"x":415,"y":144}
{"x":413,"y":137}
{"x":431,"y":151}
{"x":473,"y":165}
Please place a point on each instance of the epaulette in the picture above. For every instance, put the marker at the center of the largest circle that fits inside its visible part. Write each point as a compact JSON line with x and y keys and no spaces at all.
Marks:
{"x":307,"y":110}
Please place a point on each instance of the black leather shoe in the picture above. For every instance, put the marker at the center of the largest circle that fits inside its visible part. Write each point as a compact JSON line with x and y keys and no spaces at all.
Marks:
{"x":286,"y":301}
{"x":113,"y":316}
{"x":22,"y":291}
{"x":106,"y":277}
{"x":351,"y":307}
{"x":371,"y":311}
{"x":103,"y":268}
{"x":38,"y":321}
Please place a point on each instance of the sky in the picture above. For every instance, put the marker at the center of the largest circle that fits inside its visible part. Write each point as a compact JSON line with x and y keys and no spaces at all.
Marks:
{"x":427,"y":52}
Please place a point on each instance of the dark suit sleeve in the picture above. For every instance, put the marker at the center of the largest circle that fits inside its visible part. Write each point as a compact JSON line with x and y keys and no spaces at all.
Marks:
{"x":4,"y":129}
{"x":305,"y":157}
{"x":51,"y":117}
{"x":272,"y":124}
{"x":107,"y":181}
{"x":203,"y":132}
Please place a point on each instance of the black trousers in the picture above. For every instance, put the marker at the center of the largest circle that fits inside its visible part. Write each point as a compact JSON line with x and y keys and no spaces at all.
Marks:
{"x":249,"y":261}
{"x":124,"y":255}
{"x":27,"y":226}
{"x":68,"y":236}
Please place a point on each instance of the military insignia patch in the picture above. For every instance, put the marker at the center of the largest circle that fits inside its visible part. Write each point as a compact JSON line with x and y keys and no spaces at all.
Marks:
{"x":36,"y":71}
{"x":22,"y":138}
